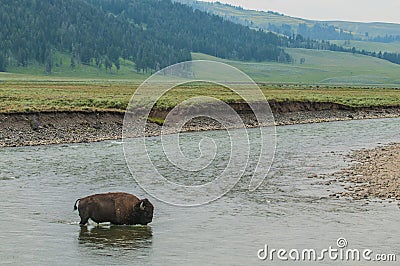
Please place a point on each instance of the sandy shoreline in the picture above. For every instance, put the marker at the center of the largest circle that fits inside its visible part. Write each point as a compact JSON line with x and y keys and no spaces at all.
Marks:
{"x":27,"y":129}
{"x":374,"y":174}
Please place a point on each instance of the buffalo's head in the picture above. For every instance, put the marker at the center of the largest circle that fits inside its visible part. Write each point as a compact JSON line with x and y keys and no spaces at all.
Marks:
{"x":144,"y":211}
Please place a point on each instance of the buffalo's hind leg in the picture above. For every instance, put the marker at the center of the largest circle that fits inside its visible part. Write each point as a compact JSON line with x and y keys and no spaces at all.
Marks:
{"x":83,"y":213}
{"x":84,"y":220}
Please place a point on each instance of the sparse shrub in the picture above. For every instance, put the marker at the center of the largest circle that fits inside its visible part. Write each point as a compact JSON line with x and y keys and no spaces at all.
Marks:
{"x":34,"y":123}
{"x":158,"y":121}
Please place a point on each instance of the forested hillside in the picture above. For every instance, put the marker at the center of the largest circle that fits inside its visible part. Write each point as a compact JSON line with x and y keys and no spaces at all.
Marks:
{"x":180,"y":26}
{"x":31,"y":31}
{"x":152,"y":33}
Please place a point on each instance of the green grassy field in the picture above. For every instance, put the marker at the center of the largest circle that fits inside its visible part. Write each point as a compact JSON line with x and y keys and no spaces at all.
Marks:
{"x":26,"y":96}
{"x":321,"y":67}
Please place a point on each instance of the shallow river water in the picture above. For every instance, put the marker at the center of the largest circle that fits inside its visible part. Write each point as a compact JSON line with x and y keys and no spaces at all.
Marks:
{"x":39,"y":185}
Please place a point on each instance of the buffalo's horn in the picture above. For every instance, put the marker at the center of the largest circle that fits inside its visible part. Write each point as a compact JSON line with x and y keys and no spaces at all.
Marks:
{"x":141,"y":206}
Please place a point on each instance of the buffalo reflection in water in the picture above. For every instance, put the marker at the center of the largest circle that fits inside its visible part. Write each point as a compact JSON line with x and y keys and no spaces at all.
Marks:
{"x":126,"y":237}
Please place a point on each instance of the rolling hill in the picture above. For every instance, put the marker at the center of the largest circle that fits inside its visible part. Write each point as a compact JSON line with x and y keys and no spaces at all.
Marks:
{"x":324,"y":30}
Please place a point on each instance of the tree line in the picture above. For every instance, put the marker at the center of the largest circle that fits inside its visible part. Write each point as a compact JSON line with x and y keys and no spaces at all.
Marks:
{"x":298,"y":41}
{"x":319,"y":31}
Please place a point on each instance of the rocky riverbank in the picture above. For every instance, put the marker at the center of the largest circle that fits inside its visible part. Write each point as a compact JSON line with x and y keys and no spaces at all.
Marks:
{"x":22,"y":129}
{"x":374,"y":174}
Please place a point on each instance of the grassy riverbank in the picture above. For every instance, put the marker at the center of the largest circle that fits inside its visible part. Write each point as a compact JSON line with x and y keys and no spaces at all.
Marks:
{"x":93,"y":95}
{"x":37,"y":111}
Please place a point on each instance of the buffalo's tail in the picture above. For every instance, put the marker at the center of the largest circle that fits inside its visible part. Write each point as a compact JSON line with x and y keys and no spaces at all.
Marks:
{"x":75,"y":205}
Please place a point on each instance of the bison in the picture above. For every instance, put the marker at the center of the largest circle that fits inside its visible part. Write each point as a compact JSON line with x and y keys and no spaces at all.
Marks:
{"x":118,"y":208}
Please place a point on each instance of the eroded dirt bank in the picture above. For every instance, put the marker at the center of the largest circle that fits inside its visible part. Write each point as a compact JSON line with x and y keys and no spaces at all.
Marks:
{"x":21,"y":129}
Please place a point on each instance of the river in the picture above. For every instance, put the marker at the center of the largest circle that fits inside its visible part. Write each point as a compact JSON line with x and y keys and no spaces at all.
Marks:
{"x":39,"y":185}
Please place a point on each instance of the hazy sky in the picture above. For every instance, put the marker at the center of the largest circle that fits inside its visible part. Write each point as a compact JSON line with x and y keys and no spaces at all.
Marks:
{"x":351,"y":10}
